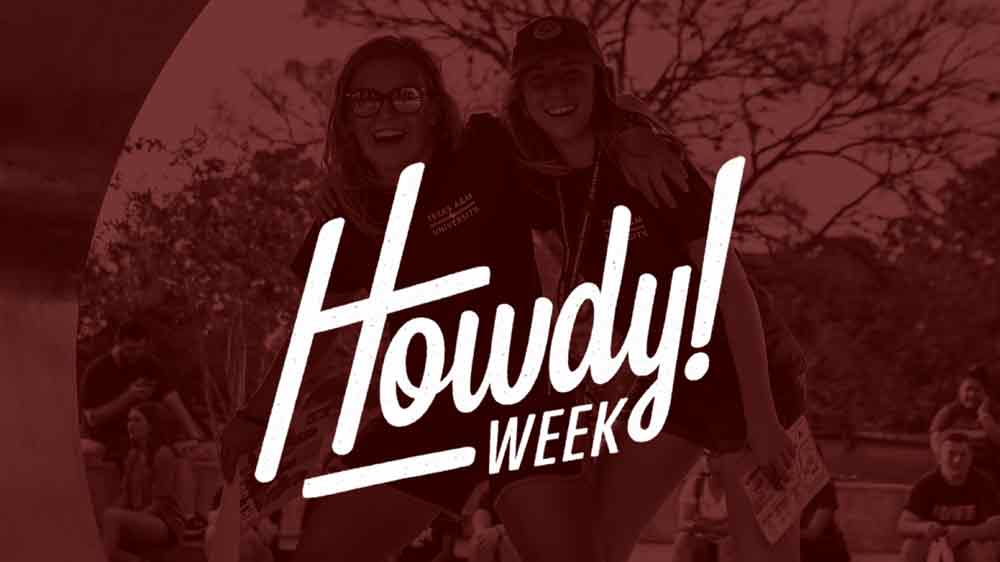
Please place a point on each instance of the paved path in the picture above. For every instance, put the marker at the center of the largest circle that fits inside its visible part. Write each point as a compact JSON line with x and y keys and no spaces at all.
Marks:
{"x":652,"y":552}
{"x":645,"y":552}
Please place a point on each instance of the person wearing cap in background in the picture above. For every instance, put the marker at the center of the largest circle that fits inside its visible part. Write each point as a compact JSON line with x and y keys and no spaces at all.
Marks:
{"x":973,"y":414}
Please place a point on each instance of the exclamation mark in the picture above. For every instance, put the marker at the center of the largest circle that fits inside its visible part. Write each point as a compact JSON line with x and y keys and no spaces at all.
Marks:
{"x":720,"y":227}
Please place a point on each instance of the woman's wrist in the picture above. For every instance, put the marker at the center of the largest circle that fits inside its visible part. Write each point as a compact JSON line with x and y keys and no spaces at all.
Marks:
{"x":758,"y":401}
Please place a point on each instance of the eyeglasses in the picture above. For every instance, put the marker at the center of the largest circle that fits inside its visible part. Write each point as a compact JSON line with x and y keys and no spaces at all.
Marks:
{"x":367,"y":102}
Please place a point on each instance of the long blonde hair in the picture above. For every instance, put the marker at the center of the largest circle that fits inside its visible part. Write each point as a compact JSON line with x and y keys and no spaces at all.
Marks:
{"x":351,"y":176}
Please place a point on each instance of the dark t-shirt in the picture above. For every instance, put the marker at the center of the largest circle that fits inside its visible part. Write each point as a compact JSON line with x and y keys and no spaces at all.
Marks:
{"x":106,"y":380}
{"x":658,"y":243}
{"x":465,"y":216}
{"x":973,"y":502}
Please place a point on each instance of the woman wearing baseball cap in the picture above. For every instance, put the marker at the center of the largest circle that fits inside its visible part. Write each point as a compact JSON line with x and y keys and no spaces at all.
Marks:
{"x":391,"y":109}
{"x":562,"y":111}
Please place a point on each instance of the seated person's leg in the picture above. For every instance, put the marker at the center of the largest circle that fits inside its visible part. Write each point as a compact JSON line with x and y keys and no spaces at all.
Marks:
{"x":186,"y":487}
{"x":132,"y":529}
{"x":976,"y":551}
{"x":915,"y":550}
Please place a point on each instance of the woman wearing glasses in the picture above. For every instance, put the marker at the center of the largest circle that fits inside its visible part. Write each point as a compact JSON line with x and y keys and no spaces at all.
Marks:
{"x":390,"y":109}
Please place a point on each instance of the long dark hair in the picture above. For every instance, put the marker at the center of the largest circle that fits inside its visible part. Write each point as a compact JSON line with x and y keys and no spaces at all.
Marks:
{"x":162,"y":430}
{"x":343,"y":154}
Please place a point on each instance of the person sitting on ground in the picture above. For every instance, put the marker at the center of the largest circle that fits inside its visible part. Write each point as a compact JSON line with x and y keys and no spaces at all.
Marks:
{"x":821,"y":538}
{"x":125,"y":376}
{"x":953,"y":506}
{"x":146,"y":513}
{"x":972,"y":413}
{"x":703,"y":519}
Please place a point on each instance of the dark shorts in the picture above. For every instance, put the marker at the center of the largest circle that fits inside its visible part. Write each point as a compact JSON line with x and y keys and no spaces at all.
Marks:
{"x":133,"y":545}
{"x":710,"y":413}
{"x":442,"y":428}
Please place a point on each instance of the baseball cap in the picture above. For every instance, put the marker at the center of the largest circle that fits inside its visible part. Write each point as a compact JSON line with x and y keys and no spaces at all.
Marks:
{"x":550,"y":35}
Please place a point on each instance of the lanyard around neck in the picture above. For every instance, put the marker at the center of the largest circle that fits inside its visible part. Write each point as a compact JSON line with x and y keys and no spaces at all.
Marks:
{"x":572,"y":260}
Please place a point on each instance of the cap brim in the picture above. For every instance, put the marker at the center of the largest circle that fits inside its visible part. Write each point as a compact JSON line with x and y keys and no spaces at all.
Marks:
{"x":535,"y":59}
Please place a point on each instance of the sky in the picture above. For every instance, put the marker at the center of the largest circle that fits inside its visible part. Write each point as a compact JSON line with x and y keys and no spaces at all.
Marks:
{"x":260,"y":35}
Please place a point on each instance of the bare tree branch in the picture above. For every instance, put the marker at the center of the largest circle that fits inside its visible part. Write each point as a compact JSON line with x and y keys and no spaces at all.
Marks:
{"x":768,"y":78}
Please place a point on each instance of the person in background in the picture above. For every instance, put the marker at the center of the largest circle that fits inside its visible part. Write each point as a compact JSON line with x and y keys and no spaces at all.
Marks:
{"x":972,"y":414}
{"x":822,"y":540}
{"x":146,"y":513}
{"x":954,"y":505}
{"x":125,"y":376}
{"x":128,"y":375}
{"x":704,"y":524}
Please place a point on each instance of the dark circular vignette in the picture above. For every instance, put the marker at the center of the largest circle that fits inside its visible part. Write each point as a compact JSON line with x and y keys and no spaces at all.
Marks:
{"x":75,"y":77}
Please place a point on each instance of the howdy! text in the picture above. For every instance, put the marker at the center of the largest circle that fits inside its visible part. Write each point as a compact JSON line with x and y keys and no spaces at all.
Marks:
{"x":506,"y":441}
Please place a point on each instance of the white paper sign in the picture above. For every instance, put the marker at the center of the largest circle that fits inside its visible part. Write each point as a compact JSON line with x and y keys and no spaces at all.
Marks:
{"x":776,"y":510}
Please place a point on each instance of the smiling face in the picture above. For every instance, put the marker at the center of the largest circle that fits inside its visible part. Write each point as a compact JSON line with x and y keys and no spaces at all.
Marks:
{"x":558,"y":95}
{"x":390,"y":139}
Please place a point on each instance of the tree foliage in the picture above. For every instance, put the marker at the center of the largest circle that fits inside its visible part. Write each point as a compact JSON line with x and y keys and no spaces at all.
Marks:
{"x":205,"y":266}
{"x":890,"y":327}
{"x":887,"y":306}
